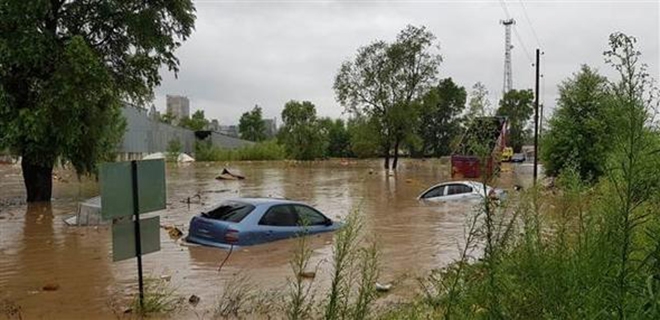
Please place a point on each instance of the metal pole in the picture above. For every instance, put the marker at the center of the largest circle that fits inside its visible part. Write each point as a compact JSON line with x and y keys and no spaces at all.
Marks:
{"x":138,"y":246}
{"x":536,"y":118}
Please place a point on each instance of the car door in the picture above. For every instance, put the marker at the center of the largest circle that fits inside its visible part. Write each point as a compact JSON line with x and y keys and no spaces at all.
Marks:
{"x":435,"y":194}
{"x":279,"y":222}
{"x":311,"y":221}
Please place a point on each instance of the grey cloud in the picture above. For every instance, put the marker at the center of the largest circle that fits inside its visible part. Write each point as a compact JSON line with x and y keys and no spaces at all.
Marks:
{"x":269,"y":52}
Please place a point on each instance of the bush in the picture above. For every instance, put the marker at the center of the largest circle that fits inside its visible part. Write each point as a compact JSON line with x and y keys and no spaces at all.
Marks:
{"x":579,"y":133}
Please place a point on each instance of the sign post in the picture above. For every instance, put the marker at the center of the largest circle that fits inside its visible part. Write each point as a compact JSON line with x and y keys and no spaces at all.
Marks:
{"x":127,"y":190}
{"x":138,"y":243}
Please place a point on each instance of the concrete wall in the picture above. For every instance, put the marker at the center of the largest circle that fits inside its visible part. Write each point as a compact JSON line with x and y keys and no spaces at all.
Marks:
{"x":144,"y":136}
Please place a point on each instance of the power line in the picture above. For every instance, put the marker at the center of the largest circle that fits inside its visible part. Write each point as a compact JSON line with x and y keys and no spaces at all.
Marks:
{"x":529,"y":21}
{"x":515,"y":32}
{"x":522,"y":44}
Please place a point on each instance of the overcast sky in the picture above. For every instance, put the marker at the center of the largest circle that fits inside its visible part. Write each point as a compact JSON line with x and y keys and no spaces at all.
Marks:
{"x":269,"y":52}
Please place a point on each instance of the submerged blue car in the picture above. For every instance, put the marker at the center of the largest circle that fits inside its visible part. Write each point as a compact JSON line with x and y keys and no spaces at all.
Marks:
{"x":250,"y":221}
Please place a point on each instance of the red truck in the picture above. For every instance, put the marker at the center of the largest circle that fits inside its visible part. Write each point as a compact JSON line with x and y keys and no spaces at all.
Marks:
{"x":485,"y":133}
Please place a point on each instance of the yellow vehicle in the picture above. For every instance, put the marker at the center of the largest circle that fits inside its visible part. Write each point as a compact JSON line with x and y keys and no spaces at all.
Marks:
{"x":507,"y":153}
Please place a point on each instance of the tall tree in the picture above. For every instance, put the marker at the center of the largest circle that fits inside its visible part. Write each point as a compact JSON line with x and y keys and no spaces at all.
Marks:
{"x":252,"y":126}
{"x":301,"y":134}
{"x":579,"y":133}
{"x":385,"y":79}
{"x":196,"y":122}
{"x":65,"y":66}
{"x":516,"y":105}
{"x":339,"y":140}
{"x":364,"y":136}
{"x":478,"y":105}
{"x":439,"y":121}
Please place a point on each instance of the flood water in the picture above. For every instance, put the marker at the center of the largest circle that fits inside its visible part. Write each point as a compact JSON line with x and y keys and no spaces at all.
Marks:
{"x":37,"y":248}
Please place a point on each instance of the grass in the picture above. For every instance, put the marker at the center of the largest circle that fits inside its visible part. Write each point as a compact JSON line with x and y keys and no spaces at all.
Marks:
{"x":300,"y":294}
{"x":237,"y":295}
{"x":267,"y":150}
{"x":160,"y":298}
{"x":355,"y":269}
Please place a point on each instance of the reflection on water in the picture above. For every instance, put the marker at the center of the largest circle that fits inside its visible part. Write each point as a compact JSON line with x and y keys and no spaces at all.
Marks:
{"x":37,"y":248}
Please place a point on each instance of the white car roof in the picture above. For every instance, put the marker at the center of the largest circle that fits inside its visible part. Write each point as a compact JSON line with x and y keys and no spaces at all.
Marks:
{"x":467,"y":182}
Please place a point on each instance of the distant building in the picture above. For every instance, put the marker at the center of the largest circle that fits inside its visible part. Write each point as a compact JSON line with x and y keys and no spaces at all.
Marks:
{"x":271,"y":127}
{"x":178,"y":106}
{"x":213,"y":126}
{"x":231,"y":130}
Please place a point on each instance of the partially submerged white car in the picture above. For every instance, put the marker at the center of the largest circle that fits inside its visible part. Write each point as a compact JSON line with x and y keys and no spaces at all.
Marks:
{"x":460,"y":190}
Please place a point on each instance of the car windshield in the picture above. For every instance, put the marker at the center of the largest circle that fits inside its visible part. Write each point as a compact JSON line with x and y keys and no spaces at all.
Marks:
{"x":230,"y":211}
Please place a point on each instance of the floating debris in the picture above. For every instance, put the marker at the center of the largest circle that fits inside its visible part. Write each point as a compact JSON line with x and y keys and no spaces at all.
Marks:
{"x":383,"y":287}
{"x":227,"y":175}
{"x":308,"y":274}
{"x":194,"y":300}
{"x":50,"y":287}
{"x":174,"y":232}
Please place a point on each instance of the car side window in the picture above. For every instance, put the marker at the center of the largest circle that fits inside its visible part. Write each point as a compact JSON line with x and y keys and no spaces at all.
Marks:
{"x":280,"y":216}
{"x":458,"y":189}
{"x":435,"y":192}
{"x":309,"y":217}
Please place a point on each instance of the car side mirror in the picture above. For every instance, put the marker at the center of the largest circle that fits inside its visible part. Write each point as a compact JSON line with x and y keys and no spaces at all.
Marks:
{"x":328,"y":222}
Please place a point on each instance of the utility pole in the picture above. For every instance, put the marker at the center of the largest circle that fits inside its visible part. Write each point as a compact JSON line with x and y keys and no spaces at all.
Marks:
{"x":536,"y":117}
{"x":508,"y":75}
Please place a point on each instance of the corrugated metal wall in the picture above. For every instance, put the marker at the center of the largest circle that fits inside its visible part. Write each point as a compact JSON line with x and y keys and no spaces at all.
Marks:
{"x":144,"y":135}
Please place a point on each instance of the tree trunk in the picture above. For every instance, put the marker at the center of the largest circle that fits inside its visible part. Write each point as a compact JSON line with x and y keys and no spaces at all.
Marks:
{"x":396,"y":154}
{"x":387,"y":160}
{"x":38,"y":181}
{"x":386,"y":150}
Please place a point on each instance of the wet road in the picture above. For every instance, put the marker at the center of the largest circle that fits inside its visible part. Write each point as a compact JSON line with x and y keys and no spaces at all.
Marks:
{"x":37,"y":248}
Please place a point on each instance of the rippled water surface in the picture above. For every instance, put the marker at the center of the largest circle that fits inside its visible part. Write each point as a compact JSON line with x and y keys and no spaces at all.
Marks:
{"x":37,"y":248}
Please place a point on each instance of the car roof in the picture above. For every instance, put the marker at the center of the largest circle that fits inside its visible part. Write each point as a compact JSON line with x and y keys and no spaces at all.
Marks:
{"x":468,"y":182}
{"x":264,"y":201}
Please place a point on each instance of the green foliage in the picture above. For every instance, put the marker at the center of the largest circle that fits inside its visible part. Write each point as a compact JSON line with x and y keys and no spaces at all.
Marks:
{"x":439,"y":117}
{"x":196,"y":123}
{"x":517,"y":106}
{"x":265,"y":150}
{"x":174,"y":148}
{"x":301,"y":134}
{"x":339,"y":140}
{"x":167,"y":118}
{"x":65,"y":65}
{"x":252,"y":126}
{"x":479,"y":105}
{"x":385,"y":79}
{"x":355,"y":271}
{"x":580,"y":131}
{"x":300,"y":298}
{"x":159,"y":298}
{"x":364,"y":137}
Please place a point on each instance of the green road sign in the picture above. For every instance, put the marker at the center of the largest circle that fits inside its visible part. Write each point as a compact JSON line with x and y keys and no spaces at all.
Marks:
{"x":117,"y":186}
{"x":123,"y":237}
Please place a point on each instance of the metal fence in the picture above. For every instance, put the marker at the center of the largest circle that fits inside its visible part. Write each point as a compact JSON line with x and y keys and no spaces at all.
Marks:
{"x":144,"y":135}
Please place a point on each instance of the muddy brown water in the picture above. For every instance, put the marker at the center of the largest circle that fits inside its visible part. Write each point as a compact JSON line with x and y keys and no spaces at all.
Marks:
{"x":37,"y":248}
